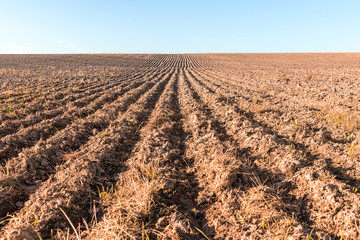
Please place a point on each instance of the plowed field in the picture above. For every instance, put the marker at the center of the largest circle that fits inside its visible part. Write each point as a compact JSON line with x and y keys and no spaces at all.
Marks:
{"x":206,"y":146}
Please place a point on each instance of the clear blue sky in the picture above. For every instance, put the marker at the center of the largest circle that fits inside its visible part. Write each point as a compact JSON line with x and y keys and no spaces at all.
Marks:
{"x":174,"y":26}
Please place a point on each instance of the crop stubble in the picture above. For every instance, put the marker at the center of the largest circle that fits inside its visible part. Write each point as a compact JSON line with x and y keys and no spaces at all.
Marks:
{"x":220,"y":146}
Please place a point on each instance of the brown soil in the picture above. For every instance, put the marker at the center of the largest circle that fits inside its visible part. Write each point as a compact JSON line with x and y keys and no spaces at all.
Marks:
{"x":206,"y":146}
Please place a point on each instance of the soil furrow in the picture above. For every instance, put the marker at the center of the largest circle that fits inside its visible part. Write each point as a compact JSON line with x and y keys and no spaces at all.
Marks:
{"x":34,"y":166}
{"x":248,"y":180}
{"x":52,"y":110}
{"x":35,"y":104}
{"x":13,"y":144}
{"x":292,"y":162}
{"x":73,"y":187}
{"x":209,"y":154}
{"x":315,"y":134}
{"x":148,"y":191}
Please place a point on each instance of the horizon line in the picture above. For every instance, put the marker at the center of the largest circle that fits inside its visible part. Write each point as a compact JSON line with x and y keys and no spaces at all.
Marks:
{"x":105,"y":53}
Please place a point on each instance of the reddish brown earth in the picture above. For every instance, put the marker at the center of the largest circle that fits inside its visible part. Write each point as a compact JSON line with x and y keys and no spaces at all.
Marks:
{"x":206,"y":146}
